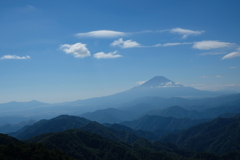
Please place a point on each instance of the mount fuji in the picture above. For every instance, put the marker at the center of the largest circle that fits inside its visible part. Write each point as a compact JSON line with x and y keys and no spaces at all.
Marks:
{"x":159,"y":81}
{"x":158,"y":86}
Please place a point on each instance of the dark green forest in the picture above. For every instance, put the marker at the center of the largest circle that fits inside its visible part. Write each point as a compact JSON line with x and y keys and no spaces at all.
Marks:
{"x":13,"y":149}
{"x":173,"y":133}
{"x":94,"y":141}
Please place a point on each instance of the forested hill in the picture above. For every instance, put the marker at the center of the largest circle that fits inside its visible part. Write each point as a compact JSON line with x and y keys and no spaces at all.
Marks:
{"x":109,"y":145}
{"x":88,"y":146}
{"x":56,"y":124}
{"x":218,"y":136}
{"x":13,"y":149}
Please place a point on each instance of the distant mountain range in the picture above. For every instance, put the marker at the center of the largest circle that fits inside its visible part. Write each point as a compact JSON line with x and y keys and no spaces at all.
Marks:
{"x":158,"y":86}
{"x":158,"y":124}
{"x":176,"y":107}
{"x":127,"y":125}
{"x":166,"y":92}
{"x":8,"y":128}
{"x":19,"y":106}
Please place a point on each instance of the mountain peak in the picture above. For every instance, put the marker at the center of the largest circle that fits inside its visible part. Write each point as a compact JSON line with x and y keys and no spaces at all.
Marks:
{"x":159,"y":81}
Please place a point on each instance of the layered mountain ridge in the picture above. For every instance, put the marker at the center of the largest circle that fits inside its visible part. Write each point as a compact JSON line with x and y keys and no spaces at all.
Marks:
{"x":158,"y":86}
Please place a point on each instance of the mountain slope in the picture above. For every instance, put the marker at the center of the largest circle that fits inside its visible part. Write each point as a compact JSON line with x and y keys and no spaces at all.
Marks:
{"x":113,"y":115}
{"x":159,"y":81}
{"x":110,"y":133}
{"x":118,"y":132}
{"x":61,"y":123}
{"x":109,"y":115}
{"x":168,"y":107}
{"x":13,"y":149}
{"x":57,"y":124}
{"x":5,"y":139}
{"x":8,"y":128}
{"x":85,"y":145}
{"x":218,"y":136}
{"x":178,"y":112}
{"x":139,"y":133}
{"x":158,"y":123}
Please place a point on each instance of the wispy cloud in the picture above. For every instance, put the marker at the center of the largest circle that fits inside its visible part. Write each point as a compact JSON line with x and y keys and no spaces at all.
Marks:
{"x":113,"y":34}
{"x":172,"y":44}
{"x":232,"y":55}
{"x":217,"y":76}
{"x":207,"y":45}
{"x":102,"y":55}
{"x":15,"y":57}
{"x":211,"y":53}
{"x":125,"y":44}
{"x":102,"y":34}
{"x":78,"y":50}
{"x":185,"y":32}
{"x":216,"y":87}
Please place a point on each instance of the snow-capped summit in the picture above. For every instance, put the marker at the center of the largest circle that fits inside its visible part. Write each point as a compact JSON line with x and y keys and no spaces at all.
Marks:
{"x":159,"y":81}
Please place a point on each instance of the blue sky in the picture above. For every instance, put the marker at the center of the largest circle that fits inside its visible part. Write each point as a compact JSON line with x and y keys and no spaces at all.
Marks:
{"x":56,"y":51}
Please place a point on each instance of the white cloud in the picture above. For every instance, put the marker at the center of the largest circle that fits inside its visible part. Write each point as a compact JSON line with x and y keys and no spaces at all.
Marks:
{"x":232,"y":55}
{"x":78,"y":50}
{"x":102,"y":55}
{"x":218,"y":76}
{"x":207,"y":45}
{"x":172,"y":44}
{"x":15,"y":57}
{"x":102,"y":34}
{"x":185,"y":32}
{"x":140,"y":83}
{"x":125,"y":44}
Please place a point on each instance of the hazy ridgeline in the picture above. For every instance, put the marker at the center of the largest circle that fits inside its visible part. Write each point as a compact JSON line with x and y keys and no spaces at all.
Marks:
{"x":158,"y":119}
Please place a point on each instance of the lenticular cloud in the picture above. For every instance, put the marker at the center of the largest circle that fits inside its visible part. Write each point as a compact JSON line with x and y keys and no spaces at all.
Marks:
{"x":101,"y":34}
